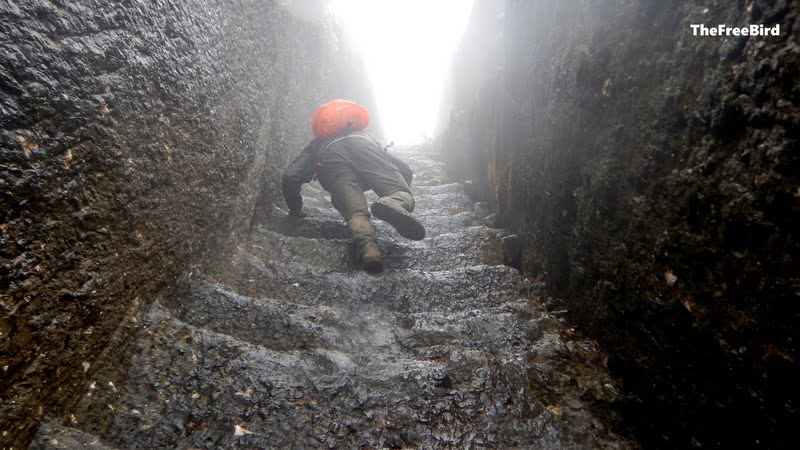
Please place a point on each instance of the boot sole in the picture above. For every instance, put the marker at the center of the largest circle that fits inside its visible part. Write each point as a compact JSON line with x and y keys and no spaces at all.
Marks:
{"x":407,"y":226}
{"x":373,"y":266}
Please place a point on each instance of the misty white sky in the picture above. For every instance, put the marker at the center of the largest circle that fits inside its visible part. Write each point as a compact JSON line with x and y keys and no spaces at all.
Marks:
{"x":407,"y":46}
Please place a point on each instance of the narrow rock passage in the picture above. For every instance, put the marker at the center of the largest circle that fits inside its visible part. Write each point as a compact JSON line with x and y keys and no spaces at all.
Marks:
{"x":299,"y":349}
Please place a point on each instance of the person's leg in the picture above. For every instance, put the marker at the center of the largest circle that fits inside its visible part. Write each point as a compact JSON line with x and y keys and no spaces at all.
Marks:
{"x":369,"y":252}
{"x":392,"y":211}
{"x":396,"y":201}
{"x":347,"y":196}
{"x":404,"y":198}
{"x":395,"y":207}
{"x":387,"y":182}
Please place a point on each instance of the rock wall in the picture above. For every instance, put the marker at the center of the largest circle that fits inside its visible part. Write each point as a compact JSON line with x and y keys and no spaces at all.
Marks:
{"x":140,"y":141}
{"x":654,"y":176}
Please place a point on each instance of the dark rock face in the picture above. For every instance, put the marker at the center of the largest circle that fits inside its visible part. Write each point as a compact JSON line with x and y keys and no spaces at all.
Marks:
{"x":296,"y":347}
{"x":139,"y":141}
{"x":654,"y":176}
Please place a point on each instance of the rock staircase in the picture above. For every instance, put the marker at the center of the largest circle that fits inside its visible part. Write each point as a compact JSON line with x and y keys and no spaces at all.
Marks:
{"x":448,"y":348}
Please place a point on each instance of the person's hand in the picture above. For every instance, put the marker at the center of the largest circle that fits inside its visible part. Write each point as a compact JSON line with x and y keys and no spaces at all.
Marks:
{"x":298,"y":213}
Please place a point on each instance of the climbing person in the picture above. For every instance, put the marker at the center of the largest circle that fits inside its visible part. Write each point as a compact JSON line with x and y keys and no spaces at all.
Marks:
{"x":347,"y":162}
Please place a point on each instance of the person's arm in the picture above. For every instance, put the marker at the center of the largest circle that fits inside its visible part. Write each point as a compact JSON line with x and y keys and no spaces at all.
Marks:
{"x":300,"y":171}
{"x":402,"y":167}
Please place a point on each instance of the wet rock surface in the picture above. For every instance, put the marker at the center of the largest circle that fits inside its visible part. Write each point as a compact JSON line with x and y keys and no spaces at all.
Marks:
{"x":654,"y":177}
{"x":138,"y":141}
{"x":295,"y":347}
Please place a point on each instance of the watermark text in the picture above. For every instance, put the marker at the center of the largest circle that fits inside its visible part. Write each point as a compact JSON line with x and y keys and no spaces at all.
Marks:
{"x":724,"y":30}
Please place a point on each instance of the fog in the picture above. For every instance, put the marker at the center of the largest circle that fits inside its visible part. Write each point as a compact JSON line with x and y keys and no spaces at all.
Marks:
{"x":407,"y":48}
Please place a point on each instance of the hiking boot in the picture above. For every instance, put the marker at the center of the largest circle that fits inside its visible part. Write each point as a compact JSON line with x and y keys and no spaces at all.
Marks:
{"x":372,"y":258}
{"x":369,"y":252}
{"x":390,"y":211}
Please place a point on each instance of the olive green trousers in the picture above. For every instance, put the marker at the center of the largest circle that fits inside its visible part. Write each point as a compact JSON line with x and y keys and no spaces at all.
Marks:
{"x":347,"y":173}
